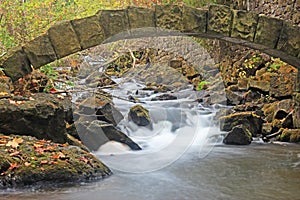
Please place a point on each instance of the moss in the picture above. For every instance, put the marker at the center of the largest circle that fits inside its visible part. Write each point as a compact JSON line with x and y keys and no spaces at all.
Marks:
{"x":26,"y":160}
{"x":290,"y":135}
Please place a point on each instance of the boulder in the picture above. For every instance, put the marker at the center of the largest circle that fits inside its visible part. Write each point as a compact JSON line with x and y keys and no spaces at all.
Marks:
{"x":261,"y":85}
{"x":164,"y":97}
{"x":95,"y":133}
{"x":102,"y":109}
{"x":278,"y":109}
{"x":139,"y":115}
{"x":248,"y":119}
{"x":40,"y":115}
{"x":27,"y":161}
{"x":290,"y":135}
{"x":239,"y":135}
{"x":233,"y":97}
{"x":283,"y":85}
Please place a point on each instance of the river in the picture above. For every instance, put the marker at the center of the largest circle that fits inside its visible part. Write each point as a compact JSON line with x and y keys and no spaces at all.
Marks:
{"x":197,"y":166}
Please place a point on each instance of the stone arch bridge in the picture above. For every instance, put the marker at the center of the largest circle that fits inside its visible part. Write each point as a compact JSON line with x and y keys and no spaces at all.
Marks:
{"x":270,"y":35}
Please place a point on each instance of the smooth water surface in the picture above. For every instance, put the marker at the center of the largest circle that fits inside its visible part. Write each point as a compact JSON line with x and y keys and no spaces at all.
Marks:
{"x":258,"y":171}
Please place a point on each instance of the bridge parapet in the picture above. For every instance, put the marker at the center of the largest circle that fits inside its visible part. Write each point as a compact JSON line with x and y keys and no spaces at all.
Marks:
{"x":272,"y":36}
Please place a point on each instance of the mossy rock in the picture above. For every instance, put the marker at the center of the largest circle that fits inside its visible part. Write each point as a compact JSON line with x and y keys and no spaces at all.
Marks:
{"x":139,"y":115}
{"x":290,"y":135}
{"x":27,"y":161}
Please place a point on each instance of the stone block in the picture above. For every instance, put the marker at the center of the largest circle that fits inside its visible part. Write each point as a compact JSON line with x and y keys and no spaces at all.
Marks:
{"x":40,"y":51}
{"x":244,"y":25}
{"x":219,"y":20}
{"x":169,"y":17}
{"x":15,"y":63}
{"x":282,"y":85}
{"x":261,"y":85}
{"x":113,"y":22}
{"x":243,"y":84}
{"x":268,"y":31}
{"x":194,"y":20}
{"x":140,"y":17}
{"x":289,"y":40}
{"x":64,"y":39}
{"x":89,"y":31}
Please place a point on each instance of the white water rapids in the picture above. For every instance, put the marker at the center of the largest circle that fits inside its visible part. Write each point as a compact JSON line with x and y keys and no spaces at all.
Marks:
{"x":177,"y":125}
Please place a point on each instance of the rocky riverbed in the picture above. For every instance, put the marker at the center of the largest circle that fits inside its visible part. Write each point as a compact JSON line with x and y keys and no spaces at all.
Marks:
{"x":40,"y":132}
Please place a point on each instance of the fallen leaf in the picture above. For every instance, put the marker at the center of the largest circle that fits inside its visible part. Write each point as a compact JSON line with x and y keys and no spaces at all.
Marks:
{"x":13,"y":166}
{"x":59,"y":155}
{"x":42,"y":169}
{"x":53,"y":90}
{"x":14,"y":143}
{"x":36,"y":146}
{"x":33,"y":158}
{"x":44,"y":161}
{"x":84,"y":159}
{"x":18,"y":140}
{"x":16,"y":153}
{"x":27,"y":164}
{"x":61,"y":97}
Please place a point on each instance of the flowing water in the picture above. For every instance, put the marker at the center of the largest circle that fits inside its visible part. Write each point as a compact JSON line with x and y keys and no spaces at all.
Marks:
{"x":182,"y":158}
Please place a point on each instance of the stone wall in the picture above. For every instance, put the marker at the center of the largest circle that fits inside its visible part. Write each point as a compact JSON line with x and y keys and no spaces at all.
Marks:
{"x":288,"y":10}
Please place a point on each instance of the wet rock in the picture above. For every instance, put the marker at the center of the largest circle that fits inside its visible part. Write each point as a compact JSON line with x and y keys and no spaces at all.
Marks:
{"x":37,"y":163}
{"x":239,"y":135}
{"x":243,"y":84}
{"x":218,"y":97}
{"x":95,"y":133}
{"x":249,"y":120}
{"x":290,"y":135}
{"x":164,"y":97}
{"x":266,"y":129}
{"x":41,"y":115}
{"x":282,"y":85}
{"x":234,"y":98}
{"x":139,"y":115}
{"x":101,"y":109}
{"x":270,"y":109}
{"x":261,"y":85}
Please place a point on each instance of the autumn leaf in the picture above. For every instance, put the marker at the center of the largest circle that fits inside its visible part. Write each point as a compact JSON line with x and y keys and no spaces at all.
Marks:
{"x":15,"y":102}
{"x":14,"y":143}
{"x":36,"y":146}
{"x":16,"y":153}
{"x":42,"y":169}
{"x":59,"y":155}
{"x":13,"y":166}
{"x":27,"y":164}
{"x":84,"y":159}
{"x":53,"y":90}
{"x":44,"y":161}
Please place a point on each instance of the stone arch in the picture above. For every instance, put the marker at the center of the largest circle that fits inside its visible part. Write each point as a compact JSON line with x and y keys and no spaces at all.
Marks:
{"x":270,"y":35}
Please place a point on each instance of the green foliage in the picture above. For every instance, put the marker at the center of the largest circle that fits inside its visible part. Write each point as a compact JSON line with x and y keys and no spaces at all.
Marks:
{"x":49,"y":71}
{"x":251,"y":62}
{"x":274,"y":64}
{"x":202,"y":85}
{"x":21,"y":21}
